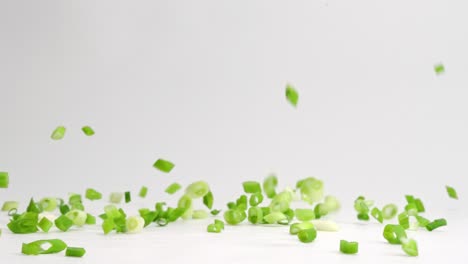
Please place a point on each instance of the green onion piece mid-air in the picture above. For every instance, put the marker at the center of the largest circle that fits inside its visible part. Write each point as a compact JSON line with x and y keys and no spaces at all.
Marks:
{"x":292,"y":95}
{"x":58,"y":133}
{"x":164,"y":165}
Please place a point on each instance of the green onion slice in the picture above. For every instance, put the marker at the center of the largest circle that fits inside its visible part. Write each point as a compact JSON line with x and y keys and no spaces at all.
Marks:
{"x":40,"y":247}
{"x":349,"y":247}
{"x":292,"y":95}
{"x":164,"y":165}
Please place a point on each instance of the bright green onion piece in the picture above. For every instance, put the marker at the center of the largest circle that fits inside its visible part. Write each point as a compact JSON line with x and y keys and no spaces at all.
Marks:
{"x":87,"y":130}
{"x":58,"y":133}
{"x":215,"y":212}
{"x":255,"y":215}
{"x":274,"y":217}
{"x":332,"y":203}
{"x":307,"y":235}
{"x":116,"y":197}
{"x":4,"y":179}
{"x":45,"y":224}
{"x":173,"y":188}
{"x":411,"y":209}
{"x":241,"y":202}
{"x":252,"y":187}
{"x":350,"y":247}
{"x":135,"y":224}
{"x":281,"y":202}
{"x":128,"y":197}
{"x":25,"y":223}
{"x":212,"y":228}
{"x":377,"y":214}
{"x":108,"y":225}
{"x":93,"y":195}
{"x":200,"y":214}
{"x":48,"y":204}
{"x":32,"y":207}
{"x":296,"y":227}
{"x":37,"y":247}
{"x":164,"y":165}
{"x":75,"y":252}
{"x":409,"y":198}
{"x":143,"y":192}
{"x":410,"y":247}
{"x":208,"y":200}
{"x":90,"y":219}
{"x":269,"y":186}
{"x":394,"y":233}
{"x":9,"y":205}
{"x":77,"y":216}
{"x":304,"y":214}
{"x":255,"y":199}
{"x":436,"y":224}
{"x":234,"y":216}
{"x":325,"y":225}
{"x":419,"y":205}
{"x":219,"y":224}
{"x":231,"y":205}
{"x":403,"y":220}
{"x":361,"y":206}
{"x":452,"y":193}
{"x":197,"y":189}
{"x":422,"y":222}
{"x":389,"y":211}
{"x":311,"y":190}
{"x":63,"y":223}
{"x":439,"y":68}
{"x":291,"y":95}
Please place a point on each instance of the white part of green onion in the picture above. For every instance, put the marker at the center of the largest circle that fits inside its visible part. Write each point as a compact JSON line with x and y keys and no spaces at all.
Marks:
{"x":325,"y":225}
{"x":135,"y":224}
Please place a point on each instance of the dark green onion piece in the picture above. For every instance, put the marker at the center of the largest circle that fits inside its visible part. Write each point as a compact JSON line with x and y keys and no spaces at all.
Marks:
{"x":75,"y":252}
{"x":394,"y":233}
{"x":58,"y":133}
{"x":363,"y":216}
{"x":307,"y":235}
{"x":64,"y":209}
{"x":452,"y":193}
{"x":45,"y":224}
{"x":63,"y":223}
{"x":349,"y":247}
{"x":128,"y":197}
{"x":36,"y":247}
{"x":93,"y":195}
{"x":252,"y":187}
{"x":215,"y":212}
{"x":208,"y":200}
{"x":291,"y":95}
{"x":143,"y":191}
{"x":164,"y":165}
{"x":4,"y":179}
{"x":173,"y":188}
{"x":436,"y":224}
{"x":87,"y":130}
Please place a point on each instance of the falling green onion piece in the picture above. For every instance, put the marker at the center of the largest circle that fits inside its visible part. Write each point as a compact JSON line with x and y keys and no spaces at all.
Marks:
{"x":90,"y":219}
{"x":307,"y":235}
{"x":208,"y":200}
{"x":58,"y":133}
{"x":200,"y":214}
{"x":212,"y":228}
{"x":255,"y":199}
{"x":377,"y":214}
{"x":274,"y":217}
{"x":78,"y":217}
{"x":436,"y":224}
{"x":296,"y":227}
{"x":234,"y":216}
{"x":4,"y":179}
{"x":439,"y":68}
{"x":291,"y":95}
{"x":173,"y":188}
{"x":75,"y":252}
{"x":63,"y":223}
{"x":252,"y":187}
{"x":389,"y":211}
{"x":325,"y":225}
{"x":215,"y":212}
{"x":269,"y":186}
{"x":116,"y":197}
{"x":410,"y":247}
{"x":45,"y":224}
{"x":197,"y":189}
{"x":349,"y":247}
{"x":164,"y":165}
{"x":48,"y":204}
{"x":25,"y":223}
{"x":255,"y":215}
{"x":93,"y":195}
{"x":9,"y":205}
{"x":32,"y":207}
{"x":304,"y":214}
{"x":135,"y":224}
{"x":403,"y":220}
{"x":219,"y":223}
{"x":128,"y":197}
{"x":88,"y":131}
{"x":452,"y":193}
{"x":143,"y":192}
{"x":37,"y":247}
{"x":394,"y":233}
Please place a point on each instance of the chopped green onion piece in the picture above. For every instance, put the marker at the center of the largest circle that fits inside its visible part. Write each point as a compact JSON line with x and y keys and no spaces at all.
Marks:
{"x":200,"y":214}
{"x":32,"y":207}
{"x":363,"y":216}
{"x":36,"y":247}
{"x":64,"y":209}
{"x":63,"y":222}
{"x":409,"y":198}
{"x":281,"y":202}
{"x":322,"y":225}
{"x":212,"y":228}
{"x":87,"y":130}
{"x":269,"y":186}
{"x":274,"y":217}
{"x":25,"y":223}
{"x":255,"y":215}
{"x":296,"y":227}
{"x":231,"y":205}
{"x":304,"y":214}
{"x":173,"y":188}
{"x":422,"y":222}
{"x":197,"y":189}
{"x":311,"y":190}
{"x":332,"y":203}
{"x":128,"y":197}
{"x":452,"y":193}
{"x":116,"y":197}
{"x":439,"y":68}
{"x":77,"y":216}
{"x":436,"y":224}
{"x":403,"y":220}
{"x":419,"y":205}
{"x":48,"y":204}
{"x":58,"y":133}
{"x":241,"y":202}
{"x":45,"y":224}
{"x":135,"y":224}
{"x":162,"y":222}
{"x":185,"y":202}
{"x":307,"y":235}
{"x":164,"y":165}
{"x":320,"y":210}
{"x":160,"y":206}
{"x":208,"y":200}
{"x":93,"y":195}
{"x":219,"y":224}
{"x":252,"y":187}
{"x":291,"y":95}
{"x":4,"y":179}
{"x":411,"y":209}
{"x":255,"y":199}
{"x":90,"y":219}
{"x":389,"y":211}
{"x":234,"y":216}
{"x":143,"y":191}
{"x":361,"y":206}
{"x":74,"y":198}
{"x":108,"y":225}
{"x":8,"y":205}
{"x":75,"y":252}
{"x":410,"y":247}
{"x":215,"y":212}
{"x":377,"y":214}
{"x":349,"y":247}
{"x":394,"y":233}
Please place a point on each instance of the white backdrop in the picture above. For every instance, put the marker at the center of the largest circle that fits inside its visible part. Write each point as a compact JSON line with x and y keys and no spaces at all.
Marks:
{"x":201,"y":83}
